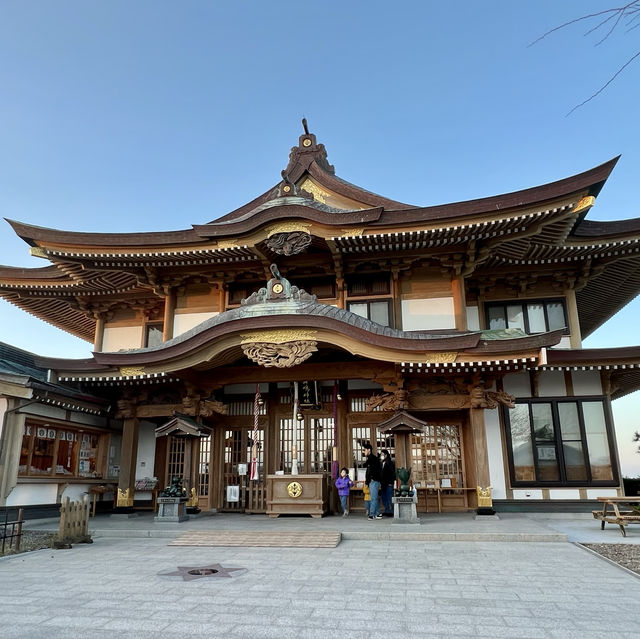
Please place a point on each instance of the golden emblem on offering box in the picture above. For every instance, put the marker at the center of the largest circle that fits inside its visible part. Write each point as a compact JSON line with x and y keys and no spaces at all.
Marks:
{"x":294,"y":489}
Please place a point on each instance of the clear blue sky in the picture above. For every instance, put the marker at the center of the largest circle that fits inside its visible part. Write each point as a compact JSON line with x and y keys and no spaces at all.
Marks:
{"x":155,"y":115}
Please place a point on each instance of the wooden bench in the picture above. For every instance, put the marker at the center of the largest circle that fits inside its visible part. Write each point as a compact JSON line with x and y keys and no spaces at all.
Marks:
{"x":612,"y":514}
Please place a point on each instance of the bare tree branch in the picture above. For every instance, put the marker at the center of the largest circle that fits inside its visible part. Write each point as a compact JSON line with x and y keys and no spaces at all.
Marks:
{"x":629,"y":11}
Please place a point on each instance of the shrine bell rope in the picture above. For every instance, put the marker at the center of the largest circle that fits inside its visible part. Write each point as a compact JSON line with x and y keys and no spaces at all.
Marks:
{"x":254,"y":448}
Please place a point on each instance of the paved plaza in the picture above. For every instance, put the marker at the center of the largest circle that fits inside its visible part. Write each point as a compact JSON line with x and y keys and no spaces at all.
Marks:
{"x":375,"y":583}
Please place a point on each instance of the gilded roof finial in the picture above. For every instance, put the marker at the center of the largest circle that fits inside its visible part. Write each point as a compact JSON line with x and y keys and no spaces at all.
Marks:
{"x":304,"y":126}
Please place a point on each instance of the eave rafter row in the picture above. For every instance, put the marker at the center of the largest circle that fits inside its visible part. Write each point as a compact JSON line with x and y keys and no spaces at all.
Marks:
{"x":442,"y":236}
{"x":595,"y":367}
{"x":576,"y":253}
{"x":161,"y":258}
{"x":148,"y":378}
{"x":467,"y":367}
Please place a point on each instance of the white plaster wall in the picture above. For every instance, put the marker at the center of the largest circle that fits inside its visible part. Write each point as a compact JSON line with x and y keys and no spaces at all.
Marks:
{"x":33,"y":495}
{"x":429,"y":314}
{"x":517,"y":384}
{"x":551,"y":384}
{"x":146,"y":450}
{"x":594,"y":493}
{"x":76,"y":492}
{"x":182,"y":322}
{"x":564,"y":494}
{"x":527,"y":494}
{"x":116,"y":338}
{"x":473,"y":318}
{"x":565,"y":342}
{"x":586,"y":383}
{"x":494,"y":450}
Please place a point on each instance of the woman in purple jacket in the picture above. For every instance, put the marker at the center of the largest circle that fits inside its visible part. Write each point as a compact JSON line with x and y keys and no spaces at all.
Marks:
{"x":343,"y":484}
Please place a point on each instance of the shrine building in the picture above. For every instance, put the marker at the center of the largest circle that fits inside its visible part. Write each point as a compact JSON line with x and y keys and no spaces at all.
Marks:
{"x":254,"y":355}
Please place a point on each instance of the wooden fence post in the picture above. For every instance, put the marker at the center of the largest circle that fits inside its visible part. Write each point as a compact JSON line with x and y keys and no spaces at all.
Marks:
{"x":74,"y":522}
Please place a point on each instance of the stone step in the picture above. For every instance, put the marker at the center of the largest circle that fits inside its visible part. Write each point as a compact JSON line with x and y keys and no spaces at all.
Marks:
{"x":284,"y":539}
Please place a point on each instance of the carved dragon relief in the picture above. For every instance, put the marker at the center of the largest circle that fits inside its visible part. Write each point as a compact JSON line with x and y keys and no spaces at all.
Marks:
{"x":387,"y":401}
{"x":290,"y":243}
{"x":283,"y":355}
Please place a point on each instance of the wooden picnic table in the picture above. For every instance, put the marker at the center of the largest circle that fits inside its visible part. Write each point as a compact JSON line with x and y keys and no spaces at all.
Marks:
{"x":612,"y":514}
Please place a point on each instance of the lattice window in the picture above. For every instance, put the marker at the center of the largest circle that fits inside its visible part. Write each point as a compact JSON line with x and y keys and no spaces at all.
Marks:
{"x":175,"y":461}
{"x":436,"y":455}
{"x":320,"y":444}
{"x":204,"y":468}
{"x":245,"y":408}
{"x":286,"y":445}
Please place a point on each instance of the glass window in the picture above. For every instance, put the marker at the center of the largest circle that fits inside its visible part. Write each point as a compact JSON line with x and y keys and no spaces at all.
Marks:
{"x":556,"y":316}
{"x":496,"y":317}
{"x":515,"y":316}
{"x":567,"y":440}
{"x":48,"y":450}
{"x":597,"y":442}
{"x":377,"y":311}
{"x":521,"y":443}
{"x":536,"y":316}
{"x":535,"y":312}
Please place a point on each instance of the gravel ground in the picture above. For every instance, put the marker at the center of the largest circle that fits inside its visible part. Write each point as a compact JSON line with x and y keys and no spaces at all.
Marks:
{"x":31,"y":540}
{"x":627,"y":555}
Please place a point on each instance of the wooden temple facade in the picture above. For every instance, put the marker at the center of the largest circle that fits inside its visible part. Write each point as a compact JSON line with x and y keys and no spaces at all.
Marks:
{"x":254,"y":355}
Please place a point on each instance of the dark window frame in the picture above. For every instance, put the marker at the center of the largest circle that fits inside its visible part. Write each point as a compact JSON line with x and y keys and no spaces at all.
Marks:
{"x":523,"y":303}
{"x":368,"y":302}
{"x":563,"y":482}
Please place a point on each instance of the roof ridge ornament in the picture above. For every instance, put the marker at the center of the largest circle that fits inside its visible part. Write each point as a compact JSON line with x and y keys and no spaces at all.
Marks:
{"x":307,"y":152}
{"x":278,"y":289}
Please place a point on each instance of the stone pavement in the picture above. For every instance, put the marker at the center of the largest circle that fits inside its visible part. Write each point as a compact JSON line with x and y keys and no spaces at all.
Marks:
{"x":379,"y":586}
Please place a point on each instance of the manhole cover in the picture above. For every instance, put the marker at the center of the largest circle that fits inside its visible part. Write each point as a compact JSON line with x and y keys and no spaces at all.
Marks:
{"x":203,"y":572}
{"x":197,"y":572}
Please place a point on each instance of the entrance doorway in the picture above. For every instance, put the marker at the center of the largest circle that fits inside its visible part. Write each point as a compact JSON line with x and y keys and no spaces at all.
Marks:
{"x":238,"y":492}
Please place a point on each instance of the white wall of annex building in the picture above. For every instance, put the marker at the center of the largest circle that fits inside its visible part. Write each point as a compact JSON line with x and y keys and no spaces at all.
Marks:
{"x":551,"y":384}
{"x":586,"y":382}
{"x":494,"y":451}
{"x":428,"y":314}
{"x":183,"y":322}
{"x":517,"y":384}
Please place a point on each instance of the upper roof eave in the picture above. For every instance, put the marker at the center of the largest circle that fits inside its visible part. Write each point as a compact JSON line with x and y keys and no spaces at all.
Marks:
{"x":593,"y":356}
{"x":34,"y":235}
{"x":593,"y":180}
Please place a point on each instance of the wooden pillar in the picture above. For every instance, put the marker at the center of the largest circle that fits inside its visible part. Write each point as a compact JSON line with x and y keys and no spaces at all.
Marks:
{"x":169,"y":313}
{"x":128,"y":458}
{"x":98,"y":336}
{"x":575,"y":335}
{"x":459,"y":302}
{"x":397,"y":301}
{"x":481,"y":455}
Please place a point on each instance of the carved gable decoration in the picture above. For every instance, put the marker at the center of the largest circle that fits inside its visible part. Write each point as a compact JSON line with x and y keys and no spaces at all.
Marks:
{"x":289,"y":243}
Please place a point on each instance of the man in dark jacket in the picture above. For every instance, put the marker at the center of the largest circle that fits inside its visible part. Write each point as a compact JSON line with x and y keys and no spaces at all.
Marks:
{"x":387,"y":482}
{"x":372,"y":479}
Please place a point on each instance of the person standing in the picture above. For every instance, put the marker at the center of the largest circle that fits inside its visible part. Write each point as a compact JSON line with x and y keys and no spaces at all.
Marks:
{"x":344,"y":484}
{"x":387,"y":482}
{"x":372,"y":479}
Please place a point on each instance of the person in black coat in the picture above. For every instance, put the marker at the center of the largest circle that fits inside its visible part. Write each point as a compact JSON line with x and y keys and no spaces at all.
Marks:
{"x":387,"y":482}
{"x":372,"y":479}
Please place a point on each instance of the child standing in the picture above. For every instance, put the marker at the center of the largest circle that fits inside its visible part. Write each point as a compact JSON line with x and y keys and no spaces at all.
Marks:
{"x":343,"y":484}
{"x":367,"y":498}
